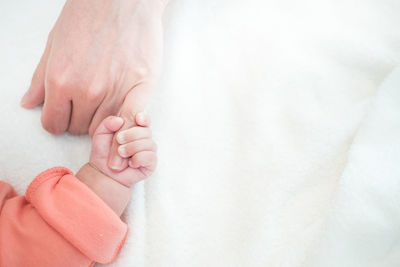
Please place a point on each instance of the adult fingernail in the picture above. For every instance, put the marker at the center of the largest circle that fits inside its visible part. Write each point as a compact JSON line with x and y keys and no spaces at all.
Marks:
{"x":120,"y":138}
{"x":116,"y":163}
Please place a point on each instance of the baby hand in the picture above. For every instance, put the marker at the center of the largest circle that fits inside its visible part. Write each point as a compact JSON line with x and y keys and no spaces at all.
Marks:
{"x":136,"y":146}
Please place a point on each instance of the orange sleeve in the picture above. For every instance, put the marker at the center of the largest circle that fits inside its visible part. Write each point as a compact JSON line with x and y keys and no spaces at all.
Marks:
{"x":60,"y":222}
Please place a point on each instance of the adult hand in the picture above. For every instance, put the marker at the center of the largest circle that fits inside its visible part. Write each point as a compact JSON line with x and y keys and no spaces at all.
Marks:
{"x":102,"y":58}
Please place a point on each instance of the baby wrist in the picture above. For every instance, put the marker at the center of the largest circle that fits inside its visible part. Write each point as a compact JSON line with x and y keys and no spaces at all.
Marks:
{"x":114,"y":194}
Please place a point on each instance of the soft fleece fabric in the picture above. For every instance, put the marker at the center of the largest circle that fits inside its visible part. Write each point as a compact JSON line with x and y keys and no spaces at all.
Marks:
{"x":256,"y":116}
{"x":59,"y":222}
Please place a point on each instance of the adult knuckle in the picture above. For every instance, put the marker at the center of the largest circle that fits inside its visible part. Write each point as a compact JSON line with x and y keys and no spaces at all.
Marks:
{"x":55,"y":82}
{"x":143,"y":71}
{"x":93,"y":94}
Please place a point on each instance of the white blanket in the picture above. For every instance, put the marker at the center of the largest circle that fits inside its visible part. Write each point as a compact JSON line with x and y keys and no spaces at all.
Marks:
{"x":279,"y":142}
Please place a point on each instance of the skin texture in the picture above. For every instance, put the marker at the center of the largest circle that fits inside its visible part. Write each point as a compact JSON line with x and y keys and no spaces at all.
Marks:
{"x":114,"y":187}
{"x":114,"y":194}
{"x":102,"y":58}
{"x":138,"y":150}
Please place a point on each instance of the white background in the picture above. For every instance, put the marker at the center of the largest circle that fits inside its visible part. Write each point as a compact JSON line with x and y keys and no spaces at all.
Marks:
{"x":258,"y":117}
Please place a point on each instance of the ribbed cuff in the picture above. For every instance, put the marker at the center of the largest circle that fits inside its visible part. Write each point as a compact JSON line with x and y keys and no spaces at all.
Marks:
{"x":77,"y":214}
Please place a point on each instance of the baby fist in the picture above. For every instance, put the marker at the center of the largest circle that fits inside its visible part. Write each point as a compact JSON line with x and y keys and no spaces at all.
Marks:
{"x":136,"y":146}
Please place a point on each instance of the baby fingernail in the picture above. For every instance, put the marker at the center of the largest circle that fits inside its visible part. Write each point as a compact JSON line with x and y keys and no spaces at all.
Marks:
{"x":116,"y":163}
{"x":120,"y":138}
{"x":141,"y":117}
{"x":122,"y":151}
{"x":119,"y":119}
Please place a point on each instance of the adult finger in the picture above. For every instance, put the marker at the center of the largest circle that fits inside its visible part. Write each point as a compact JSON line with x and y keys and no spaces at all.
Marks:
{"x":105,"y":109}
{"x":56,"y":111}
{"x":134,"y":102}
{"x":35,"y":94}
{"x":83,"y":110}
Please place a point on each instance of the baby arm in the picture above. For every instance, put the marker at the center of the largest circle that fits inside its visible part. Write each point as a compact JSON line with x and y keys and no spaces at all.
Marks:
{"x":63,"y":222}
